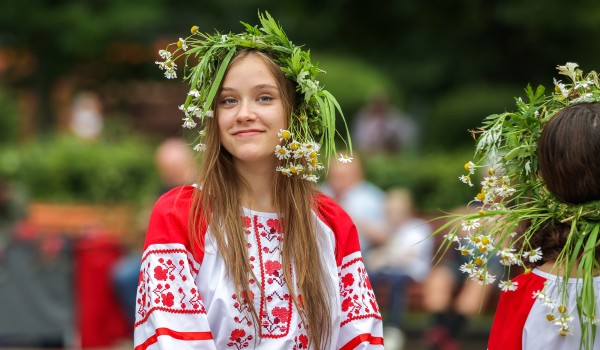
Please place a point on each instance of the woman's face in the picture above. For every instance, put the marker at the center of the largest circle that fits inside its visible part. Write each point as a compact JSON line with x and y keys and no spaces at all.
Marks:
{"x":250,"y":113}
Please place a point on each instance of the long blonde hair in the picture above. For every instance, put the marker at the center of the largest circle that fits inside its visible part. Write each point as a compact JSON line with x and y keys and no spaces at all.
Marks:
{"x":219,"y":204}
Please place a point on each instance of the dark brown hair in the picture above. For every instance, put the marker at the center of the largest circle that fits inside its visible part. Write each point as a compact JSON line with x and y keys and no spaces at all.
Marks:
{"x":569,"y":162}
{"x":569,"y":153}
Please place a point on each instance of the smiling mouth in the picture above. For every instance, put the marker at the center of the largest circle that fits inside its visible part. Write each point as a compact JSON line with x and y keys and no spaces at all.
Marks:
{"x":245,"y":133}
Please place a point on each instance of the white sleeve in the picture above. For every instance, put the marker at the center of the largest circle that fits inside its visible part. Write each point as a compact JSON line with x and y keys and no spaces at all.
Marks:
{"x":170,"y":313}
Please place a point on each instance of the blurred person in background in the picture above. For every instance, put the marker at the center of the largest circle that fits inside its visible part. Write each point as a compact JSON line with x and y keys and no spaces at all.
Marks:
{"x":175,"y":164}
{"x":404,"y":258}
{"x":380,"y":127}
{"x":87,"y":121}
{"x":363,"y":201}
{"x":452,"y":298}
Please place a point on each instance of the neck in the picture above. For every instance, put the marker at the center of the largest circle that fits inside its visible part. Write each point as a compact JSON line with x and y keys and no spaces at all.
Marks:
{"x":259,"y":194}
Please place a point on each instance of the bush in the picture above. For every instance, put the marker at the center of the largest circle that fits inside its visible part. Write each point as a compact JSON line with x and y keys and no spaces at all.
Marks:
{"x":69,"y":170}
{"x":464,"y":109}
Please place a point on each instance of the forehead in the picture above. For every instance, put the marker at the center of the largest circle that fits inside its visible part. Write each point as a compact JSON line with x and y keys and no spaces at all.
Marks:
{"x":250,"y":68}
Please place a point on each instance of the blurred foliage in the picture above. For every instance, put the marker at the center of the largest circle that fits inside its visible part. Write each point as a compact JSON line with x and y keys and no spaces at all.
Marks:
{"x":432,"y":178}
{"x":352,"y":90}
{"x":460,"y":110}
{"x":447,"y":63}
{"x":9,"y":116}
{"x":71,"y":170}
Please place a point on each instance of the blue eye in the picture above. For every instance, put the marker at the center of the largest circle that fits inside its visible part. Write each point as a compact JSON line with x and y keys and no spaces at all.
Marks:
{"x":228,"y":101}
{"x":265,"y":98}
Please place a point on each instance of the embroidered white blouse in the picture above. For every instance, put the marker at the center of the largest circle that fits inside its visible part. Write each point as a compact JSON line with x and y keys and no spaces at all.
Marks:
{"x":186,"y":301}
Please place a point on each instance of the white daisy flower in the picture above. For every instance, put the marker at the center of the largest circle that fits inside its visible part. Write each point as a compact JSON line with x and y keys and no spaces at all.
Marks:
{"x":311,"y":177}
{"x":470,"y":167}
{"x":533,"y":255}
{"x":284,"y":171}
{"x":194,"y":93}
{"x":471,"y":224}
{"x":284,"y":134}
{"x":188,"y":123}
{"x":466,"y":180}
{"x":539,"y":294}
{"x":182,"y":44}
{"x":200,"y":147}
{"x":345,"y":159}
{"x":507,"y":256}
{"x":508,"y":285}
{"x":164,"y":54}
{"x":209,"y":113}
{"x":170,"y":74}
{"x":561,"y":87}
{"x":282,"y":152}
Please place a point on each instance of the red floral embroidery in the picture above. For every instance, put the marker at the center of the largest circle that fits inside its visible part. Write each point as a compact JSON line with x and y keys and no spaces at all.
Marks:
{"x":246,"y":221}
{"x":348,"y":280}
{"x":179,"y":295}
{"x":274,"y":225}
{"x":281,"y":314}
{"x":301,"y":342}
{"x":358,"y":299}
{"x":272,"y":267}
{"x":168,"y":299}
{"x":239,"y":339}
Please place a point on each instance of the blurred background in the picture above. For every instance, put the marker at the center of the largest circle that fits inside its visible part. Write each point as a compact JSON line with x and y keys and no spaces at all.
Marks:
{"x":83,"y":108}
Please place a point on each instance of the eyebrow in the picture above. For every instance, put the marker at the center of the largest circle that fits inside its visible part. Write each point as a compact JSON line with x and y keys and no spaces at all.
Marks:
{"x":255,"y":87}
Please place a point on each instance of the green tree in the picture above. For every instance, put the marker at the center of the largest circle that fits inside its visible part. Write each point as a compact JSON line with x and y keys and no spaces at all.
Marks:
{"x":62,"y":36}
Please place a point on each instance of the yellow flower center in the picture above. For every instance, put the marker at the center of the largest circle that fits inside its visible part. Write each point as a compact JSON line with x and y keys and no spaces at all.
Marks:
{"x":313,"y":155}
{"x":281,"y":151}
{"x":485,"y":240}
{"x":314,"y":162}
{"x":562,"y":309}
{"x":194,"y":29}
{"x":482,"y":249}
{"x":286,"y":134}
{"x":481,"y":212}
{"x":294,"y":146}
{"x":478,"y":261}
{"x":550,"y":317}
{"x":180,"y":44}
{"x":481,"y":196}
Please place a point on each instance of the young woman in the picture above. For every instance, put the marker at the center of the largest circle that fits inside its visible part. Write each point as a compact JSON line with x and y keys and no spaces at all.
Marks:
{"x":569,"y":160}
{"x":538,"y":211}
{"x":252,"y":257}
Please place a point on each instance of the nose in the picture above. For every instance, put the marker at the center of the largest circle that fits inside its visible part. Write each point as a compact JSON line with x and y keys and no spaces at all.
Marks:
{"x":245,"y":112}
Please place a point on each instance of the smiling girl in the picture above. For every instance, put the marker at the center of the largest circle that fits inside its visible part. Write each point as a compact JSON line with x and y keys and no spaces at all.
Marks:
{"x":253,"y":257}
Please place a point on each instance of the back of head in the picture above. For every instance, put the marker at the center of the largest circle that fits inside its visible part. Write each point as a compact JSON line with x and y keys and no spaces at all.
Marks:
{"x":569,"y":153}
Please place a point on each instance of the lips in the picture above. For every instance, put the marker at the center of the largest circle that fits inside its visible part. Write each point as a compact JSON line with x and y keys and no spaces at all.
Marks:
{"x":248,"y":132}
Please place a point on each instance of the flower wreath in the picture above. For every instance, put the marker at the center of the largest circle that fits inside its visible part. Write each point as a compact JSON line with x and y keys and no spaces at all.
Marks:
{"x":312,"y":127}
{"x":513,"y":192}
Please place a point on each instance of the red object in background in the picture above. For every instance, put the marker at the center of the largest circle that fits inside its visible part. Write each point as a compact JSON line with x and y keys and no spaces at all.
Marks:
{"x":100,"y":317}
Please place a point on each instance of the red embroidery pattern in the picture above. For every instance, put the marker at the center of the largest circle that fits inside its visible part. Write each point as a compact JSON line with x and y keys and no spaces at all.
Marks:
{"x":275,"y":296}
{"x":239,"y":339}
{"x":358,"y":299}
{"x":301,"y":342}
{"x":166,"y":284}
